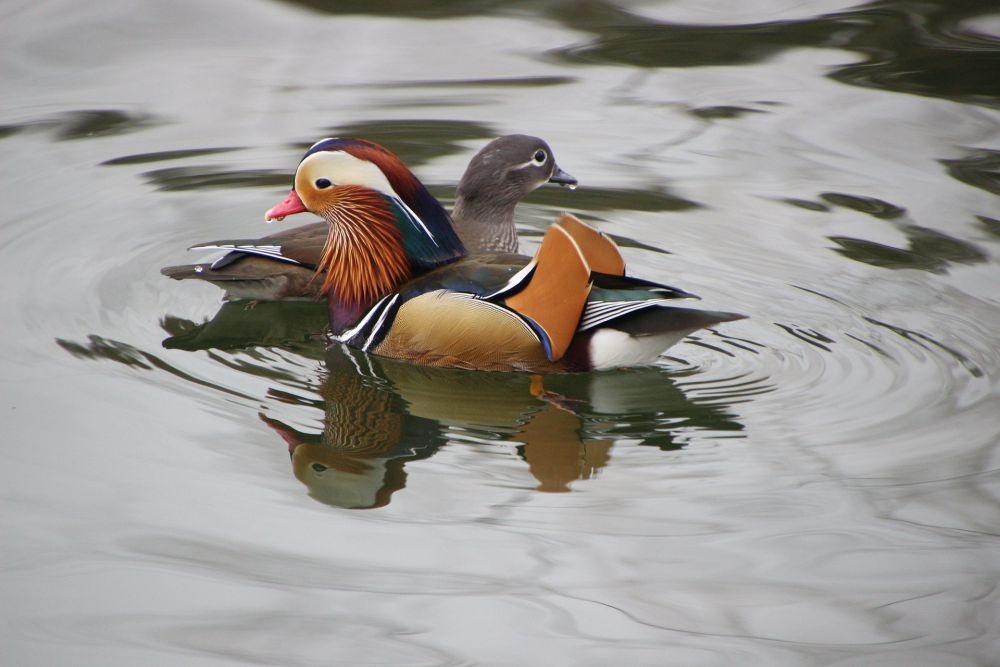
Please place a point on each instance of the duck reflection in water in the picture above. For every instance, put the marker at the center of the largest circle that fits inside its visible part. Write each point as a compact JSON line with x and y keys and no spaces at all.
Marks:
{"x":379,"y":414}
{"x":368,"y":435}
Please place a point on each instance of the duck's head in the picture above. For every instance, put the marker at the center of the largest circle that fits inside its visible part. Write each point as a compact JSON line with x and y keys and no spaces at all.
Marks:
{"x":333,"y":162}
{"x":510,"y":167}
{"x":385,"y":227}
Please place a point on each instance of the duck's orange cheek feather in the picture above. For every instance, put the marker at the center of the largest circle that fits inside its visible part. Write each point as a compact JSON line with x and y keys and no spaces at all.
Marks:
{"x":291,"y":205}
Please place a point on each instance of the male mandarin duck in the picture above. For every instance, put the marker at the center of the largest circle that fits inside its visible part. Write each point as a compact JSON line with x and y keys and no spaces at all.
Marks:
{"x":400,"y":284}
{"x":283,"y":265}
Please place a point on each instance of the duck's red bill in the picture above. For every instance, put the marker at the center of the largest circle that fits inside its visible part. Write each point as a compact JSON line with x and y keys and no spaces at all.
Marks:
{"x":291,"y":205}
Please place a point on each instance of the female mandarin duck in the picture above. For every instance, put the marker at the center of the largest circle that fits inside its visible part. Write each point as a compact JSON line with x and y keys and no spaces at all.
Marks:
{"x":283,"y":265}
{"x":399,"y":284}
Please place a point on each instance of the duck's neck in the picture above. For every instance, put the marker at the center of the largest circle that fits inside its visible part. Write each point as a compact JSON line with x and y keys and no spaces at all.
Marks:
{"x":364,"y":258}
{"x":485,"y":224}
{"x":343,"y":314}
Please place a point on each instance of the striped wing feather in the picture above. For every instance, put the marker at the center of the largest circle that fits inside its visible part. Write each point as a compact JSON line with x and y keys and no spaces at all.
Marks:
{"x":301,"y":245}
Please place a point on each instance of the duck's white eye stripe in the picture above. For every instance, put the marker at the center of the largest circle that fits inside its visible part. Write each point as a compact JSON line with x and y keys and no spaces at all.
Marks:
{"x":529,"y":163}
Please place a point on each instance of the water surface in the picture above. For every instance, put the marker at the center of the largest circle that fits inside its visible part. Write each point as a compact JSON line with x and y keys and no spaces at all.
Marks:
{"x":187,"y":481}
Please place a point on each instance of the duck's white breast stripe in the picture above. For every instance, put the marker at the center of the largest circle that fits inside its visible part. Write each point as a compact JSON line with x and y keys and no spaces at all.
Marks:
{"x":352,"y":332}
{"x":381,"y":321}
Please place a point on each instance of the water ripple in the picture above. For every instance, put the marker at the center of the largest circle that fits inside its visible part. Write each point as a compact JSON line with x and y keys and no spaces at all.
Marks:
{"x":814,"y":484}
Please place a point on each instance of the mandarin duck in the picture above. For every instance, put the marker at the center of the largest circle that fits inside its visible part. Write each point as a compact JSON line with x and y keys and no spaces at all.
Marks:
{"x":283,"y":265}
{"x":497,"y":178}
{"x":400,"y":284}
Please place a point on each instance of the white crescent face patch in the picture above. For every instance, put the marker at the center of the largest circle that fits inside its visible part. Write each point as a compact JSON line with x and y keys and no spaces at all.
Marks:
{"x":341,"y":168}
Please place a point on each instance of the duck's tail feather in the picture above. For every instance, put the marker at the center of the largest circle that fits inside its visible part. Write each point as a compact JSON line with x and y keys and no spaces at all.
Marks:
{"x":639,"y":337}
{"x":611,"y":313}
{"x":659,"y":318}
{"x":613,"y":282}
{"x":253,"y":278}
{"x":240,"y":248}
{"x":186,"y":271}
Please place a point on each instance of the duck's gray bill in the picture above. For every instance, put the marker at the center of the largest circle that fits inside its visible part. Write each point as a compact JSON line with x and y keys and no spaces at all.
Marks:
{"x":560,"y":177}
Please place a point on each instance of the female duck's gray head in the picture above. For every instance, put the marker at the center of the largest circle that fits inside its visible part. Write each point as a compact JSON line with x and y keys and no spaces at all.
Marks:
{"x":497,"y":178}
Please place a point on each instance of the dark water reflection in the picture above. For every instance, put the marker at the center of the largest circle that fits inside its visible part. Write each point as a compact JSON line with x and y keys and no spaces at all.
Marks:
{"x":420,"y":140}
{"x":927,"y":249}
{"x":175,"y":179}
{"x":912,"y":47}
{"x":981,"y":168}
{"x":86,"y":124}
{"x":163,"y":156}
{"x":916,"y":47}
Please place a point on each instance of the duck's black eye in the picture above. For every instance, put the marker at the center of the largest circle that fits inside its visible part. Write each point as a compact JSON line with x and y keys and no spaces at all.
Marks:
{"x":322,"y":183}
{"x":540,"y":156}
